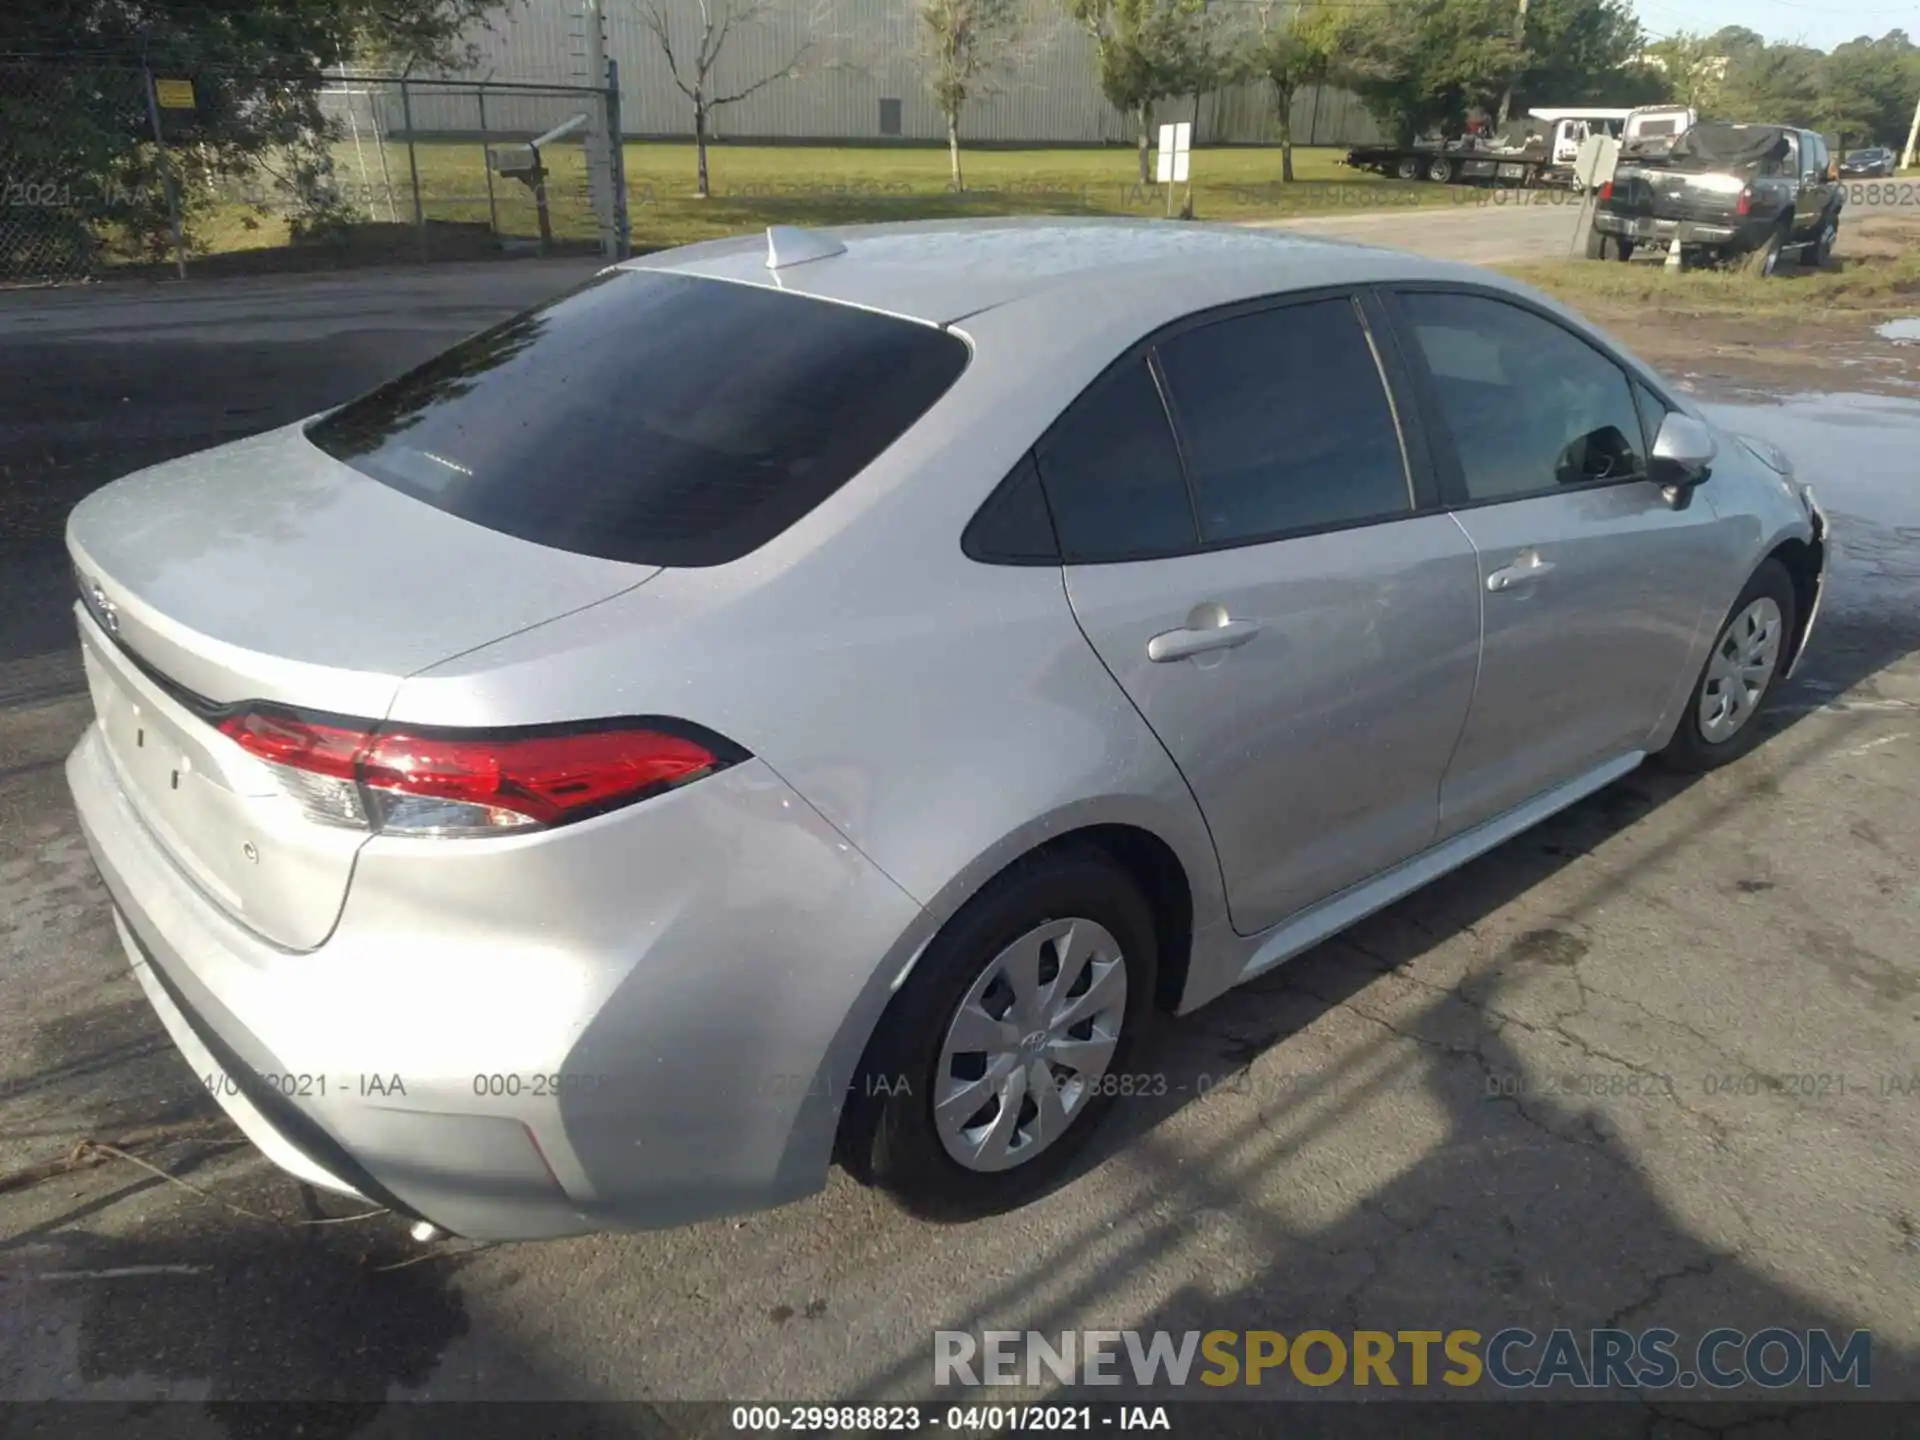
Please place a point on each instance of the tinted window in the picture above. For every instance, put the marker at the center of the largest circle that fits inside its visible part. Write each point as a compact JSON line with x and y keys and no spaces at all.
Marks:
{"x":1529,"y":405}
{"x":1285,"y":422}
{"x":1013,"y":527}
{"x":649,"y":417}
{"x":1112,"y":474}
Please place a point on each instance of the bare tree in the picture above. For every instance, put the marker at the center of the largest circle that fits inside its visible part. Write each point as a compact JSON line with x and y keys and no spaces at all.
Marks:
{"x":693,"y":67}
{"x":963,"y":42}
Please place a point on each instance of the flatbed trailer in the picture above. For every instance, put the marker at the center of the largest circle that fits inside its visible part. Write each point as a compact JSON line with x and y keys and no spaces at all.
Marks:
{"x":1461,"y":164}
{"x":1540,"y":158}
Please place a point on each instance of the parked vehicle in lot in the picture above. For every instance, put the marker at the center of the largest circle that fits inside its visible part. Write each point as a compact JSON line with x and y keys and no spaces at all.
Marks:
{"x":1864,"y":164}
{"x":1540,"y":150}
{"x":1726,"y":192}
{"x":821,"y":696}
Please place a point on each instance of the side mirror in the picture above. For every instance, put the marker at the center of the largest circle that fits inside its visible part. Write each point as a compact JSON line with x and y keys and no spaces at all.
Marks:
{"x":1683,"y":452}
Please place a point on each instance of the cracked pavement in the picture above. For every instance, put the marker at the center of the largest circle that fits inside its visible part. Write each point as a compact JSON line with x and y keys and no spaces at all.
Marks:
{"x":1653,"y":1063}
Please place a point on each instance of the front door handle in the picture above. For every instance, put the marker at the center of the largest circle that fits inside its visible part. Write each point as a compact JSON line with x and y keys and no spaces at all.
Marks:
{"x":1179,"y":644}
{"x":1532,"y":568}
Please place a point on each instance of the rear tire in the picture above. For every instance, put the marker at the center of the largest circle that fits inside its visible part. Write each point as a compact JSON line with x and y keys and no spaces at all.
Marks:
{"x":1408,"y":168}
{"x":1440,"y":170}
{"x":1763,"y":261}
{"x":1821,"y":251}
{"x":1740,"y":676}
{"x":1608,"y":247}
{"x":892,"y":1137}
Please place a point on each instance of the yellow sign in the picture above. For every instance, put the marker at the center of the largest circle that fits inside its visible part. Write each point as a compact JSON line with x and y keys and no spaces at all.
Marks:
{"x":173,"y":94}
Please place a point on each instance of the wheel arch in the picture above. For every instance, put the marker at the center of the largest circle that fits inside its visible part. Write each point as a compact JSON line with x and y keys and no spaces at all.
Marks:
{"x":1146,"y":857}
{"x":1803,"y":560}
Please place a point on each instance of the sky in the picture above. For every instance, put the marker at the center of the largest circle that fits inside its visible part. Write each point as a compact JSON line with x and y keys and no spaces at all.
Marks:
{"x":1807,"y":22}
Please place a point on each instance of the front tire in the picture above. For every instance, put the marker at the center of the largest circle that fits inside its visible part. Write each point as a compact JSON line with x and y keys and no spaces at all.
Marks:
{"x":1010,"y":1041}
{"x":1740,"y":676}
{"x":1408,"y":168}
{"x":1440,"y":170}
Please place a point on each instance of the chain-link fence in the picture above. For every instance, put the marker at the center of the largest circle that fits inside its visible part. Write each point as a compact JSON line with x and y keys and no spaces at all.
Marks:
{"x":113,"y":159}
{"x":488,"y":165}
{"x":110,"y":161}
{"x":72,"y":181}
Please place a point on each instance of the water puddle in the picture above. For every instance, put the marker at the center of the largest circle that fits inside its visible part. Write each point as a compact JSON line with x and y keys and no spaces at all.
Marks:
{"x":1857,"y":451}
{"x":1905,"y":331}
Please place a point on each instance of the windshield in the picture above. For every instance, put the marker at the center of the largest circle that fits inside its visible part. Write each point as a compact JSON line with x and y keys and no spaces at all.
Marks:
{"x":650,"y":417}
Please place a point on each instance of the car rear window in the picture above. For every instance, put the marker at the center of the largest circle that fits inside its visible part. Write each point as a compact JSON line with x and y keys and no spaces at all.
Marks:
{"x":649,"y":417}
{"x":1720,"y":143}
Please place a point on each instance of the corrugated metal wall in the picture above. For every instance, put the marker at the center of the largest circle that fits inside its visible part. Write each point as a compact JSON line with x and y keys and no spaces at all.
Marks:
{"x":853,"y":54}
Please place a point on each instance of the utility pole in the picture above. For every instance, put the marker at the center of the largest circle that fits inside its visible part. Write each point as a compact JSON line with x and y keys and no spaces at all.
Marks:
{"x":1908,"y":159}
{"x":1520,"y":41}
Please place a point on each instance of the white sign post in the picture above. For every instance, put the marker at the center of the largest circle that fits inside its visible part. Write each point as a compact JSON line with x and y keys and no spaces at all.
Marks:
{"x":1176,"y":149}
{"x":1592,"y":167}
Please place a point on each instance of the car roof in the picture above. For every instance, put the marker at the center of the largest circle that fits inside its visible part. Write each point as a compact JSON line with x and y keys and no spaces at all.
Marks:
{"x":942,"y":271}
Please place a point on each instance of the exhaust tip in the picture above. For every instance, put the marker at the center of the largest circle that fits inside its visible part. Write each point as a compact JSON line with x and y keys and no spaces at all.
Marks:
{"x":426,"y":1232}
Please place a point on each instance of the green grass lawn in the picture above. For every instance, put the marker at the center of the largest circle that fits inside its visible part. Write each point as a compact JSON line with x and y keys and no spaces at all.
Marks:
{"x":759,"y":185}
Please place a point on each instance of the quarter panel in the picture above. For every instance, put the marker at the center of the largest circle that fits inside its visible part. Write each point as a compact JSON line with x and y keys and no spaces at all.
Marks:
{"x":944,"y":715}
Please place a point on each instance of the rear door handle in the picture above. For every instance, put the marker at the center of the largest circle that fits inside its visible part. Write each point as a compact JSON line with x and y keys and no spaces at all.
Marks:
{"x":1179,"y":644}
{"x":1513,"y":575}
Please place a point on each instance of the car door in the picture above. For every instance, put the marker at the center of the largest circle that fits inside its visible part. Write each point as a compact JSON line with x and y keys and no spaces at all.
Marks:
{"x":1593,"y":582}
{"x":1254,"y":547}
{"x":1811,"y":202}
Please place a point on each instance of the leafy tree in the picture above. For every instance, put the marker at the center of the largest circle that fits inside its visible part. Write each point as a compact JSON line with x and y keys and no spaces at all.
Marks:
{"x":1145,"y":51}
{"x":73,"y":111}
{"x":962,"y":43}
{"x":1695,"y":68}
{"x":1736,"y":40}
{"x":1868,"y":89}
{"x":1294,"y":45}
{"x":1584,"y":52}
{"x":1424,"y":66}
{"x":1774,"y":85}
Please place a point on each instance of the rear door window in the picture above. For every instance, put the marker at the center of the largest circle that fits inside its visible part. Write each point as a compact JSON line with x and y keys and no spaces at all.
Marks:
{"x":1112,"y":472}
{"x":1286,"y":423}
{"x":649,"y":417}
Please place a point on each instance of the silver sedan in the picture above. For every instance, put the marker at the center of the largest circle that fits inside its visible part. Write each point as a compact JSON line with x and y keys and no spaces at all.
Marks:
{"x":818,"y":696}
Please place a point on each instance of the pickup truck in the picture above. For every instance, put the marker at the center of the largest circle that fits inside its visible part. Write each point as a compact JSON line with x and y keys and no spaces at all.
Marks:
{"x":1746,"y":193}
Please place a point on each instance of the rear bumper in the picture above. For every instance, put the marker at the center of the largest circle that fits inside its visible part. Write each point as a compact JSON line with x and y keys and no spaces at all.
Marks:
{"x":521,"y":1041}
{"x":1648,"y":230}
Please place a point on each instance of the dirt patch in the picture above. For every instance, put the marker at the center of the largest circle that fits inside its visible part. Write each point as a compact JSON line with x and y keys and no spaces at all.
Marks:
{"x":1769,"y":356}
{"x":1718,"y":334}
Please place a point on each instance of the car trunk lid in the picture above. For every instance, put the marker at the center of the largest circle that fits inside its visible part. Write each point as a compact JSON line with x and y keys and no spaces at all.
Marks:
{"x":267,"y":571}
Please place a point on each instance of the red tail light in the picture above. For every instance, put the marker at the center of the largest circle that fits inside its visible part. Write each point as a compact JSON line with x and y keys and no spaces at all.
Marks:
{"x":446,"y":782}
{"x":1606,"y":191}
{"x":1744,"y":205}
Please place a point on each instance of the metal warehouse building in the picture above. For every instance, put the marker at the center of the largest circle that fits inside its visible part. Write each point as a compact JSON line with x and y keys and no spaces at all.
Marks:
{"x":857,"y":80}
